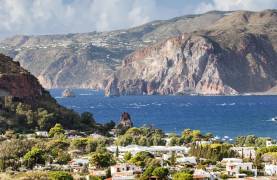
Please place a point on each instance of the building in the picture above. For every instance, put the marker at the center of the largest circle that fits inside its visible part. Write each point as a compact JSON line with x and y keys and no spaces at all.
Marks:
{"x":245,"y":152}
{"x":42,"y":133}
{"x":125,"y":171}
{"x":228,"y":160}
{"x":96,"y":136}
{"x":186,"y":160}
{"x":152,"y":149}
{"x":269,"y":143}
{"x":234,"y":168}
{"x":78,"y":164}
{"x":270,"y":169}
{"x":203,"y":142}
{"x":200,"y":174}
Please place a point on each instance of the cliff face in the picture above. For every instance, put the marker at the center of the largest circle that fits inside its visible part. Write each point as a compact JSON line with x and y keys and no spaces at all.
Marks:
{"x":85,"y":60}
{"x":25,"y":105}
{"x":16,"y":81}
{"x":236,"y":55}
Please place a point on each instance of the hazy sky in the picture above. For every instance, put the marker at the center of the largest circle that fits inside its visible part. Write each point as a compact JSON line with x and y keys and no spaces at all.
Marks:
{"x":71,"y":16}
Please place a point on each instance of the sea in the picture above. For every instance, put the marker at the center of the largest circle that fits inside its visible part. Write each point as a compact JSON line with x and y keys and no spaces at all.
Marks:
{"x":224,"y":116}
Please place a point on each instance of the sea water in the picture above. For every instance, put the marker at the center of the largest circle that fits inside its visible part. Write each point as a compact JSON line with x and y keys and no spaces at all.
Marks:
{"x":221,"y":115}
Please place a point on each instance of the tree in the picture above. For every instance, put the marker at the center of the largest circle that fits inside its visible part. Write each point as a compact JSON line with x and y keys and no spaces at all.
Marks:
{"x":174,"y":140}
{"x":2,"y":164}
{"x":173,"y":159}
{"x":94,"y":178}
{"x":63,"y":158}
{"x":148,"y":171}
{"x":127,"y":156}
{"x":57,"y":130}
{"x":33,"y":157}
{"x":117,"y":152}
{"x":80,"y":144}
{"x":141,"y":158}
{"x":108,"y":173}
{"x":101,"y":159}
{"x":60,"y":175}
{"x":160,"y":172}
{"x":182,"y":176}
{"x":45,"y":119}
{"x":87,"y":118}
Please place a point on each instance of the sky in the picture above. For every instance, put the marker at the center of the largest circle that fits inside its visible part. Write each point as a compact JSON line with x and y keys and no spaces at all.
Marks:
{"x":34,"y":17}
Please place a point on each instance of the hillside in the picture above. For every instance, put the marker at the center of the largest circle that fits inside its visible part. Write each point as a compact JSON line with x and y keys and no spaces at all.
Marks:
{"x":25,"y":105}
{"x":87,"y":59}
{"x":235,"y":55}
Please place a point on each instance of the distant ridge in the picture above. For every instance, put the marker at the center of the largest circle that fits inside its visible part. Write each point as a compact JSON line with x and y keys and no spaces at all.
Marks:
{"x":160,"y":57}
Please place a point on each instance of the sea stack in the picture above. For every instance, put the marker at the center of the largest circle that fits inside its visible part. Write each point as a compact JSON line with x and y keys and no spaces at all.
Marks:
{"x":125,"y":121}
{"x":68,"y":93}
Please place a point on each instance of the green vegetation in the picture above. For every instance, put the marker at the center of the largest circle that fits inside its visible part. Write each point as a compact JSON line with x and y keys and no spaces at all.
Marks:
{"x":250,"y":140}
{"x":11,"y":151}
{"x":33,"y":157}
{"x":160,"y":172}
{"x":60,"y":175}
{"x":141,"y":136}
{"x":189,"y":136}
{"x":144,"y":159}
{"x":42,"y":113}
{"x":182,"y":176}
{"x":57,"y":130}
{"x":127,"y":156}
{"x":101,"y":159}
{"x":214,"y":152}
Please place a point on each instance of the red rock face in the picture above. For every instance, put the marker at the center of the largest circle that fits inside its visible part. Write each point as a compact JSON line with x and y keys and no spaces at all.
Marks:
{"x":197,"y":64}
{"x":22,"y":85}
{"x":17,"y":81}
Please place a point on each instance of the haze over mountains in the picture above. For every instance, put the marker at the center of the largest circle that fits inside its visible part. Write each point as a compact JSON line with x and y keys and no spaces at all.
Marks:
{"x":211,"y":53}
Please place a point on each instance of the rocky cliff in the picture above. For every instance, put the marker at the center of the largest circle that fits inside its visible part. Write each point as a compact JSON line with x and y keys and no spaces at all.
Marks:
{"x":235,"y":55}
{"x":86,"y":60}
{"x":16,"y":81}
{"x":25,"y":105}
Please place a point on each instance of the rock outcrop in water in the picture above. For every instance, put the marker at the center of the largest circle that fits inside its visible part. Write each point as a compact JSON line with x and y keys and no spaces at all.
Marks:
{"x":125,"y":121}
{"x":68,"y":93}
{"x":234,"y":56}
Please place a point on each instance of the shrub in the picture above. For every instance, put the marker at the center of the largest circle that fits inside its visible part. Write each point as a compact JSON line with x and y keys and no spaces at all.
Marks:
{"x":60,"y":175}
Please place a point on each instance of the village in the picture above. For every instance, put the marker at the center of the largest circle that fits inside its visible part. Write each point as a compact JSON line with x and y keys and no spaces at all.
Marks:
{"x":139,"y":153}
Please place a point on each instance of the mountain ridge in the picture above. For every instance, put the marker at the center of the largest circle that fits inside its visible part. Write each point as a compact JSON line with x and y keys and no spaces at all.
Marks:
{"x":236,"y":55}
{"x":58,"y":60}
{"x":92,"y":60}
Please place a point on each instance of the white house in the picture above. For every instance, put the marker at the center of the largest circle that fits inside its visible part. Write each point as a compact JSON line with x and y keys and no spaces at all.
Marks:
{"x":187,"y":160}
{"x":42,"y":133}
{"x":269,"y":143}
{"x":152,"y":149}
{"x":270,"y":169}
{"x":96,"y":136}
{"x":78,"y":163}
{"x":245,"y":152}
{"x":229,"y":160}
{"x":203,"y":142}
{"x":201,"y":174}
{"x":233,"y":168}
{"x":125,"y":171}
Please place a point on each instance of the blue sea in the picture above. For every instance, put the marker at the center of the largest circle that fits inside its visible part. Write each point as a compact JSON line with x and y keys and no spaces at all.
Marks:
{"x":221,"y":115}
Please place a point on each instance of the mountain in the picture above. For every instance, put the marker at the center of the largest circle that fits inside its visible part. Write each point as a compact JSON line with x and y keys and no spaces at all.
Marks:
{"x":234,"y":55}
{"x":87,"y":59}
{"x":25,"y":105}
